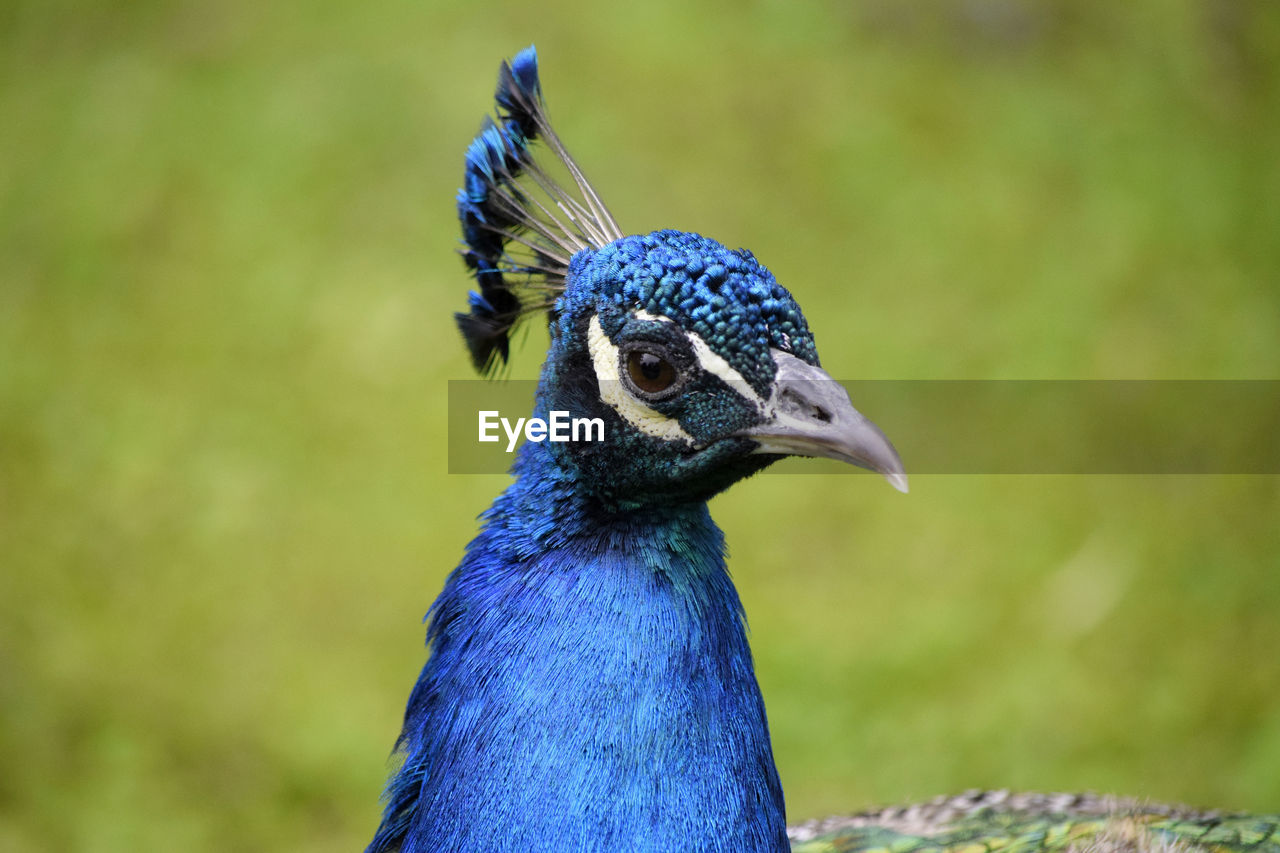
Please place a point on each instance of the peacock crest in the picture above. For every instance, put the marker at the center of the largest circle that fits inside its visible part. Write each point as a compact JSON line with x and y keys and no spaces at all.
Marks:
{"x":521,"y":226}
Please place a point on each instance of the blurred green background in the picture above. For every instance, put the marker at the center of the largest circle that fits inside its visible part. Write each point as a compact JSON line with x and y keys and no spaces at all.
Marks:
{"x":227,"y":273}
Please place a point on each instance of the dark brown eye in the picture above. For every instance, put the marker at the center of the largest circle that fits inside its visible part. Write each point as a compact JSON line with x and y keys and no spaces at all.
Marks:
{"x":651,"y":374}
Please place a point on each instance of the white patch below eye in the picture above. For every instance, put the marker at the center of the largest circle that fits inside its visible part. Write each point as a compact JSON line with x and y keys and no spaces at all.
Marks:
{"x":604,"y":356}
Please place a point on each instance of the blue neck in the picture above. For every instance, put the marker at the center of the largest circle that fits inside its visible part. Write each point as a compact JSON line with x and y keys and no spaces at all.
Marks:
{"x":589,"y":687}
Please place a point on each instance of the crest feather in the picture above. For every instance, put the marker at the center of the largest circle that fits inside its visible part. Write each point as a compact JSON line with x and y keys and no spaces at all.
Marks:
{"x":520,"y":226}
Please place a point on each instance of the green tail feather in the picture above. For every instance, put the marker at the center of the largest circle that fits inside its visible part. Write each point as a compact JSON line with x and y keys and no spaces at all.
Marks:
{"x":999,"y":822}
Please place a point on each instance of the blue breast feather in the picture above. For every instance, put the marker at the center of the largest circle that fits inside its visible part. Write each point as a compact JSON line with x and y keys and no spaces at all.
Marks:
{"x":589,"y":687}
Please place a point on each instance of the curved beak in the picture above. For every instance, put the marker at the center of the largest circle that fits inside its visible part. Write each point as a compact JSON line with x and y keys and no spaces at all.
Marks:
{"x":810,"y":414}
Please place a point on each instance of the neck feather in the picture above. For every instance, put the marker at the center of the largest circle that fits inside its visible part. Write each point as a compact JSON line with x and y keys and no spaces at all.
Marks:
{"x":589,"y":687}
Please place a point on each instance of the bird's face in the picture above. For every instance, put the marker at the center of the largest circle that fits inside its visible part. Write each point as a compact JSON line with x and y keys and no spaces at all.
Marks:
{"x":701,"y":367}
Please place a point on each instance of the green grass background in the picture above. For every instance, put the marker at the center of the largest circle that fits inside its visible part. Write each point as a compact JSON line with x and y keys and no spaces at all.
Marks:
{"x":227,"y":273}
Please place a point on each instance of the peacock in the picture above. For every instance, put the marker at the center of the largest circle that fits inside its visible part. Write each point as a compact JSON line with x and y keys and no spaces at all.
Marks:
{"x":589,"y":685}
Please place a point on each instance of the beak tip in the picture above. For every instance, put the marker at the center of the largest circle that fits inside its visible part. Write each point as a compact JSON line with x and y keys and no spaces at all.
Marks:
{"x":898,"y":480}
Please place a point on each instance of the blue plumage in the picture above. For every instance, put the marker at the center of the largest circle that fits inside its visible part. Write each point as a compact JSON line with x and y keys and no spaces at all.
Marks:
{"x":584,"y":679}
{"x":589,"y":684}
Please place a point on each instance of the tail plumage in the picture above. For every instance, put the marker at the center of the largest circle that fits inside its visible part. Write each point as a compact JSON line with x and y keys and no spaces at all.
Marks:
{"x":519,"y":224}
{"x":1003,"y":822}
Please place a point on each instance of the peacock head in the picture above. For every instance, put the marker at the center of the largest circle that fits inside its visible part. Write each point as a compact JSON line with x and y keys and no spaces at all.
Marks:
{"x":698,"y":363}
{"x":701,"y":367}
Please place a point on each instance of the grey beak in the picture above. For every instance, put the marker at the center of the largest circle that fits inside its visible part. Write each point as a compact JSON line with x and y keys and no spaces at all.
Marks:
{"x":810,"y":414}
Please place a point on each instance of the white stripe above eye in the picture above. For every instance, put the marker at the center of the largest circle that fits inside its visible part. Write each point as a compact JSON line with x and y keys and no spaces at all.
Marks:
{"x":604,"y":356}
{"x":717,"y":366}
{"x":710,"y":361}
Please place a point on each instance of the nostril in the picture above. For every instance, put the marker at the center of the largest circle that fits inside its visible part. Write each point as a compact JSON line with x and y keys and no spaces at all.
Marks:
{"x":795,"y":404}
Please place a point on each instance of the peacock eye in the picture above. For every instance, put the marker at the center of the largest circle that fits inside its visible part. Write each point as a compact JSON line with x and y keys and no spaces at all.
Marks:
{"x":651,"y":373}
